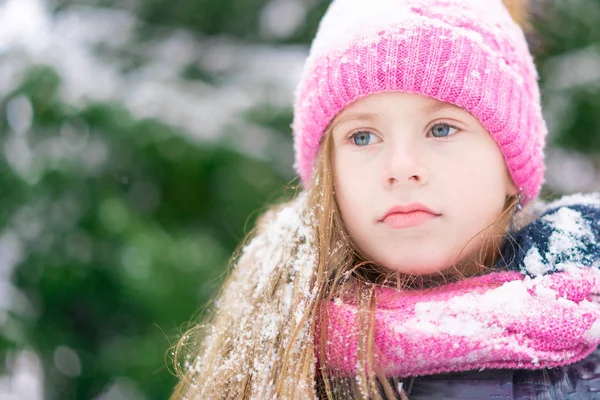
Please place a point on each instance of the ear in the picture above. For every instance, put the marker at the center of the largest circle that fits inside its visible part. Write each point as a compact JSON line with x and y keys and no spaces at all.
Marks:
{"x":511,"y":188}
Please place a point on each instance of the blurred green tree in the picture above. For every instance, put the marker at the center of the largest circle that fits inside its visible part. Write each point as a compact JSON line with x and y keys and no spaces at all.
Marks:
{"x":125,"y":227}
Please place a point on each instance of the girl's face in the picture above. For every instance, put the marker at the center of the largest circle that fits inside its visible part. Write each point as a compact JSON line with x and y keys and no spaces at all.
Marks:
{"x":431,"y":160}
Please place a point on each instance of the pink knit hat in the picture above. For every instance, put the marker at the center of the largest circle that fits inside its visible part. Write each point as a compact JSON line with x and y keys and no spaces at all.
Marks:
{"x":466,"y":52}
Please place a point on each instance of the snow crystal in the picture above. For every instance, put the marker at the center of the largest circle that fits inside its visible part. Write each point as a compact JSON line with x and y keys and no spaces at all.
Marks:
{"x":344,"y":25}
{"x":586,"y":199}
{"x":593,"y":334}
{"x":269,"y":330}
{"x":569,"y":221}
{"x":288,"y":292}
{"x":266,"y":300}
{"x":544,"y":292}
{"x":588,"y":305}
{"x":534,"y":264}
{"x":467,"y":327}
{"x":570,"y":236}
{"x":511,"y":297}
{"x":559,"y":244}
{"x":298,"y":315}
{"x":458,"y":317}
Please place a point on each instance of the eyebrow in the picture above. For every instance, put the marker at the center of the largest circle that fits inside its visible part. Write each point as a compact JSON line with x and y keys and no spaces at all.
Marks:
{"x":438,"y":107}
{"x":355,"y":117}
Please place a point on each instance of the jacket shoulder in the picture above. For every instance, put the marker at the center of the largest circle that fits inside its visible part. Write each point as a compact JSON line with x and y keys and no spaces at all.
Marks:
{"x":578,"y":381}
{"x":557,"y":235}
{"x":540,"y":207}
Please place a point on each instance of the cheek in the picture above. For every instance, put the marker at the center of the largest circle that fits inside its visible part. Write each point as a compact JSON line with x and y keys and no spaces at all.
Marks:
{"x":348,"y":196}
{"x":481,"y":192}
{"x":482,"y":172}
{"x":351,"y":176}
{"x":353,"y":196}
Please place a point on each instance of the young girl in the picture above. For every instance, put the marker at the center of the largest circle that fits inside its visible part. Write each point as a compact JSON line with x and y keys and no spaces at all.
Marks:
{"x":407,"y":267}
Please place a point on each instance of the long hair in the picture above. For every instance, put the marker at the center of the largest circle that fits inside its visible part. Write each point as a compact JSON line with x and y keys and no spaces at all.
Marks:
{"x":258,"y":342}
{"x":258,"y":338}
{"x":519,"y":11}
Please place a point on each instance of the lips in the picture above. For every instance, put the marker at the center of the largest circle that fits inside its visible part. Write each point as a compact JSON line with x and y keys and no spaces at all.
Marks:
{"x":409,"y":208}
{"x":407,"y":216}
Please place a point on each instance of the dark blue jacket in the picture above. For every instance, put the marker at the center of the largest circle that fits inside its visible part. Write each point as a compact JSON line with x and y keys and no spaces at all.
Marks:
{"x":579,"y":381}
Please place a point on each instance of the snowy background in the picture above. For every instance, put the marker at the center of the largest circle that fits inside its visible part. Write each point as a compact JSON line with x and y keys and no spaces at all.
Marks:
{"x":139,"y":139}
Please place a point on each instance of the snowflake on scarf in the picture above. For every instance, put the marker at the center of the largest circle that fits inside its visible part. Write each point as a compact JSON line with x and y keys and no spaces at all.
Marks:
{"x":566,"y":234}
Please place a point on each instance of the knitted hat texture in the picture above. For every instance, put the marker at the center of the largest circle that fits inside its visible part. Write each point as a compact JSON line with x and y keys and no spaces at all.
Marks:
{"x":466,"y":52}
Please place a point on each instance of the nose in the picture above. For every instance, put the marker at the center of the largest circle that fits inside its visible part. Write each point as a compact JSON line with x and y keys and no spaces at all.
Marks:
{"x":404,"y":164}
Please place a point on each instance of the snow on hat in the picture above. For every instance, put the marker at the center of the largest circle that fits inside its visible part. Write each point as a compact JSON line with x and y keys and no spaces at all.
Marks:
{"x":466,"y":52}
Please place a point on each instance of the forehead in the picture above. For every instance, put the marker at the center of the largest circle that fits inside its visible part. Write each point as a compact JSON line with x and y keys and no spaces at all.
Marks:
{"x":411,"y":100}
{"x":374,"y":105}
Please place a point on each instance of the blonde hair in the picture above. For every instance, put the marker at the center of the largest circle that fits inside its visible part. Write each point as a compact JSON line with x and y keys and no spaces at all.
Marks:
{"x":259,"y":340}
{"x":519,"y":12}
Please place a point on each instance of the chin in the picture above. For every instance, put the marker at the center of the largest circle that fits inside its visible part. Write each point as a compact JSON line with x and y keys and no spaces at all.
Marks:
{"x":420,"y":267}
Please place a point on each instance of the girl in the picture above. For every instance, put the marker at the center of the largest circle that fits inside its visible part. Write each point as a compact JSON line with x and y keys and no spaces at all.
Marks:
{"x":407,"y":266}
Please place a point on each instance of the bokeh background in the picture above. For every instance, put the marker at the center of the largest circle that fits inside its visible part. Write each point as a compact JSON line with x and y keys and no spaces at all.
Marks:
{"x":139,"y":140}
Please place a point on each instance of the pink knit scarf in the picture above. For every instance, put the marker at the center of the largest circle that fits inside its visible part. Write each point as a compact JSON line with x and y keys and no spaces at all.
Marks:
{"x":500,"y":320}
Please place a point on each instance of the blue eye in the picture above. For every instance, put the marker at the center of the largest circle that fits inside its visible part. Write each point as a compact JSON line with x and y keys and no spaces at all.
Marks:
{"x":442,"y":130}
{"x":362,"y":138}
